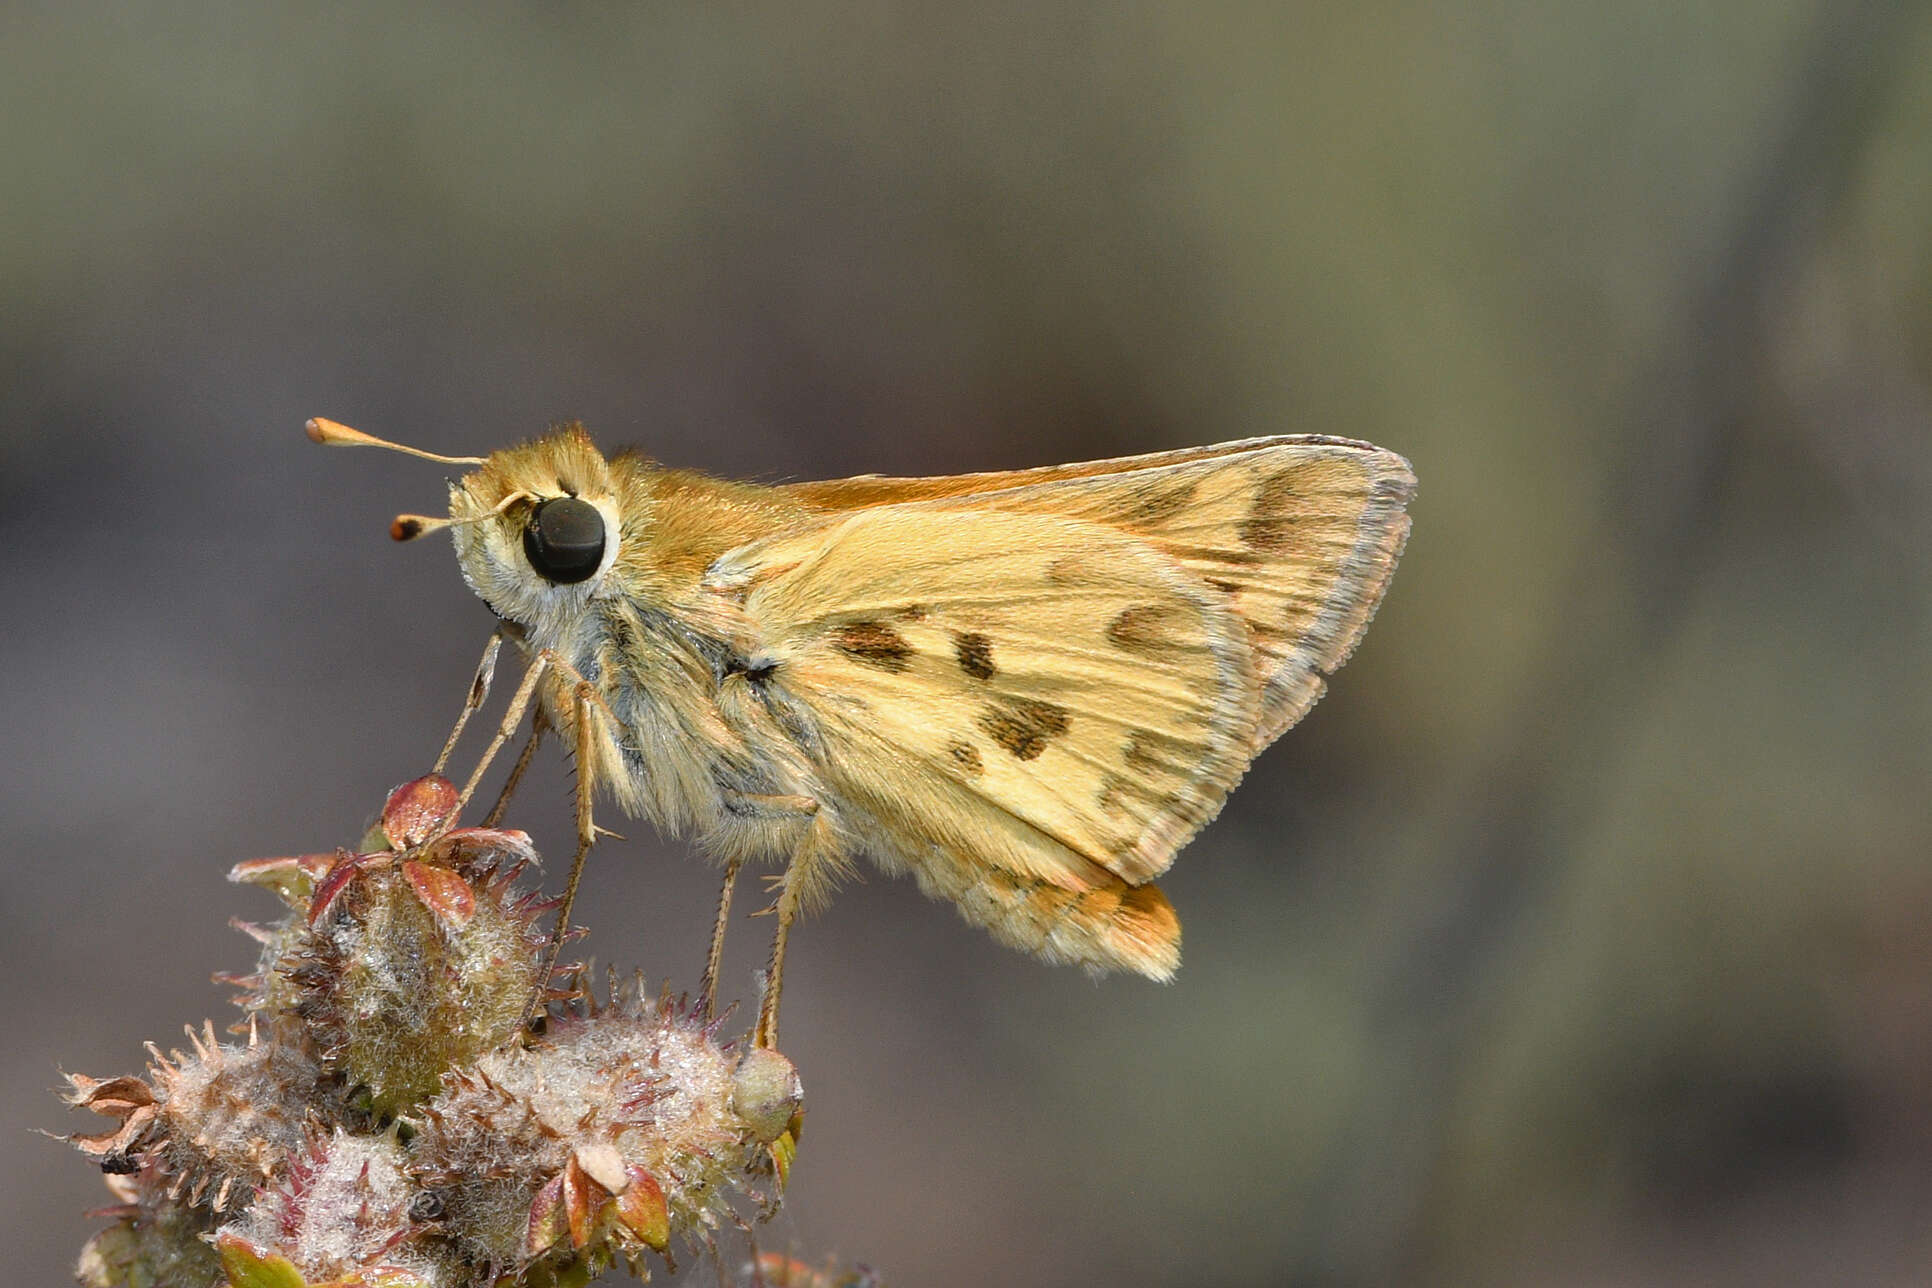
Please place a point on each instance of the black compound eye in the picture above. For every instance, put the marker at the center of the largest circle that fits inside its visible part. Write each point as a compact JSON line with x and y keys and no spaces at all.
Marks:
{"x":564,"y":539}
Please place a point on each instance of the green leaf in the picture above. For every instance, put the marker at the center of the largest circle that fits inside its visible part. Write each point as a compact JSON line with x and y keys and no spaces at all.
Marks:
{"x":247,"y":1268}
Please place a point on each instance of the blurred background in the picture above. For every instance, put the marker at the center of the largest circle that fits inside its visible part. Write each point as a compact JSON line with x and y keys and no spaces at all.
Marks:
{"x":1583,"y":935}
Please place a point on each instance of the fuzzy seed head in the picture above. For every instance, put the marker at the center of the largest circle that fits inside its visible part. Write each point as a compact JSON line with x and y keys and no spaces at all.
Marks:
{"x":385,"y":1125}
{"x":344,"y":1210}
{"x":622,"y":1128}
{"x":268,"y":995}
{"x":211,"y":1124}
{"x":412,"y":969}
{"x":231,"y":1118}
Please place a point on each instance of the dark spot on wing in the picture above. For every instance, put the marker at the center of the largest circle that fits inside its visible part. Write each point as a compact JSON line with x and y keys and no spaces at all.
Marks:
{"x":1120,"y":795}
{"x":1113,"y":794}
{"x":1275,"y":515}
{"x":1024,"y":726}
{"x":1147,"y":629}
{"x":975,"y":652}
{"x":1156,"y":507}
{"x":1140,"y":753}
{"x":966,"y":756}
{"x":875,"y":644}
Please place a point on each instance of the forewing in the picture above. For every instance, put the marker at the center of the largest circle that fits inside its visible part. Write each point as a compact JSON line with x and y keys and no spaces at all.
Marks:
{"x":1298,"y":535}
{"x":865,"y":490}
{"x":1032,"y":689}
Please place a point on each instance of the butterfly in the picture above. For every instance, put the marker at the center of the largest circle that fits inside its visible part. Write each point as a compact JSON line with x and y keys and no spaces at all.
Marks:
{"x":1027,"y":689}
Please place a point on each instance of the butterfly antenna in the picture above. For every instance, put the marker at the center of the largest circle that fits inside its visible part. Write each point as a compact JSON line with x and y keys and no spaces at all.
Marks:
{"x":330,"y":434}
{"x":404,"y":527}
{"x":407,"y":527}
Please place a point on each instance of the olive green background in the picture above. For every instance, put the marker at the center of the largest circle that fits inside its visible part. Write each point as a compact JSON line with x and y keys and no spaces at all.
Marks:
{"x":1582,"y":935}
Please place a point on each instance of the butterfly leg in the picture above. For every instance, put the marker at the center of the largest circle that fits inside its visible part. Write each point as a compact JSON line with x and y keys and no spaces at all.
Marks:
{"x":747,"y":807}
{"x":479,"y":693}
{"x":512,"y":717}
{"x":583,"y":695}
{"x":766,"y":1034}
{"x":812,"y":866}
{"x":708,"y":986}
{"x":539,"y":723}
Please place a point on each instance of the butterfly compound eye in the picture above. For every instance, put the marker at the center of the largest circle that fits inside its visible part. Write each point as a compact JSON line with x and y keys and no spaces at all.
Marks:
{"x":564,"y":540}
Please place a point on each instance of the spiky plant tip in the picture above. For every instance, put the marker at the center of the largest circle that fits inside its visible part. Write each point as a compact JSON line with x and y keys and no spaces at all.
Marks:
{"x":399,"y":962}
{"x":211,"y":1123}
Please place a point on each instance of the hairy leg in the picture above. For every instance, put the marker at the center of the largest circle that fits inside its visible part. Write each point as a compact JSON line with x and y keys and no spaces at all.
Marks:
{"x":538,"y":724}
{"x":744,"y":805}
{"x":817,"y":861}
{"x":479,"y":692}
{"x":582,"y":697}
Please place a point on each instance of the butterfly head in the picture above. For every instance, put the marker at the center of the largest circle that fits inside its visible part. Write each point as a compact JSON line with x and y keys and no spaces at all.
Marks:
{"x":537,"y":527}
